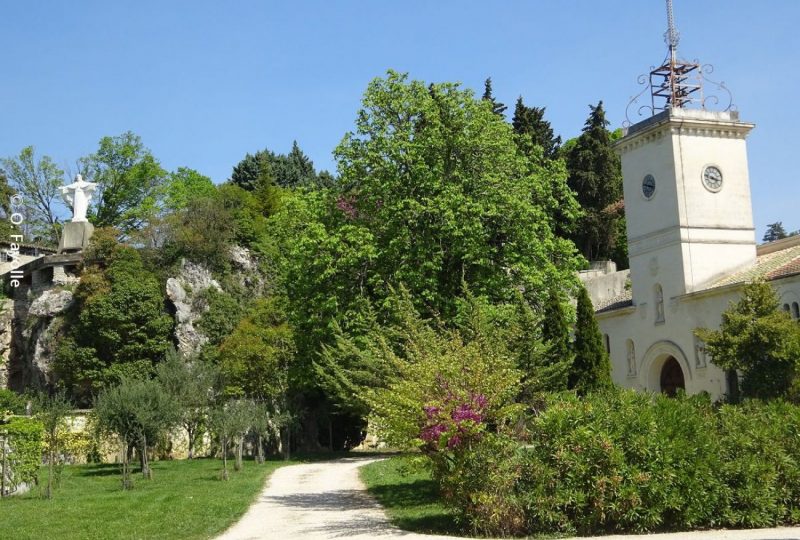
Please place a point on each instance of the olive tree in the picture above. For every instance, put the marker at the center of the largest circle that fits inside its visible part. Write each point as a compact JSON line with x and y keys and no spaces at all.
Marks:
{"x":52,"y":411}
{"x":137,"y":411}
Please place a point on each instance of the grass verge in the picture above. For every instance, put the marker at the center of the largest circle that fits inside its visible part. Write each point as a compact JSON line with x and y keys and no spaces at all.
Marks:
{"x":185,"y":500}
{"x":410,"y":498}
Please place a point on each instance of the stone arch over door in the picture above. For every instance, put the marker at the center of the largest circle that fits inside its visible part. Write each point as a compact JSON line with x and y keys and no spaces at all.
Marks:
{"x":654,"y":361}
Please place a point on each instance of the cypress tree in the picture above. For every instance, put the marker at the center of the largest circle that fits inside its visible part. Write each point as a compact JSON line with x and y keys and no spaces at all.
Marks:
{"x":556,"y":336}
{"x":591,"y":369}
{"x":530,"y":125}
{"x":595,"y":175}
{"x":497,"y":107}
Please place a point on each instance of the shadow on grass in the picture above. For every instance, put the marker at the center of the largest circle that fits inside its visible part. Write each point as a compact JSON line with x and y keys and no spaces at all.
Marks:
{"x":99,"y":469}
{"x":416,"y":495}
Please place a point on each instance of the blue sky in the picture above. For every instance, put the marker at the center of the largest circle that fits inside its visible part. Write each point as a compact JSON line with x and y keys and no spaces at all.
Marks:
{"x":205,"y":82}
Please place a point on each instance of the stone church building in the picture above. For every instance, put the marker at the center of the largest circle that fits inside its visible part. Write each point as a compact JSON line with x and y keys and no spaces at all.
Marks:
{"x":692,"y":248}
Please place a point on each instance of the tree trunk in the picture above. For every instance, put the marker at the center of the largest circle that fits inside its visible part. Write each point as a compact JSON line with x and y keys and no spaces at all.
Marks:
{"x":49,"y":490}
{"x":146,"y":472}
{"x":127,"y":483}
{"x":224,"y":458}
{"x":330,"y":434}
{"x":260,"y":454}
{"x":237,"y":465}
{"x":190,"y":432}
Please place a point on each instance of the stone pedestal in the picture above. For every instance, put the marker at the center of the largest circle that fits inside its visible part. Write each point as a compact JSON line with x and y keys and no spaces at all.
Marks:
{"x":75,"y":236}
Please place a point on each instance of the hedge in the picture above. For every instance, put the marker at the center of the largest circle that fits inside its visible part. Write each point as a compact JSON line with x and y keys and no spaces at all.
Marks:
{"x":623,"y":461}
{"x":24,"y":438}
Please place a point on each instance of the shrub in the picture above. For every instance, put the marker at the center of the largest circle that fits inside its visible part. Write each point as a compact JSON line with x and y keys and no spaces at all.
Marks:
{"x":24,"y":437}
{"x":11,"y":402}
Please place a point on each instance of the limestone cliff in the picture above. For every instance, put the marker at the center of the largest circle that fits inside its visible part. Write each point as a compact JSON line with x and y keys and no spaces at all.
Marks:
{"x":184,"y":291}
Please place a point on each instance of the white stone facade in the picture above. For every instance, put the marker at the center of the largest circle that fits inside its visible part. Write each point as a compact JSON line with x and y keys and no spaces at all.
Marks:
{"x":692,"y":246}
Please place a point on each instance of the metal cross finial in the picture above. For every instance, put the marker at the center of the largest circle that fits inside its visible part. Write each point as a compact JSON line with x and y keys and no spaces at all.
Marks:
{"x":671,"y":36}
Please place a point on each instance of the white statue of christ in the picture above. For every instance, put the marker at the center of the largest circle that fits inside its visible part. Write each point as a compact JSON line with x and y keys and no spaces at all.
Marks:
{"x":77,"y":195}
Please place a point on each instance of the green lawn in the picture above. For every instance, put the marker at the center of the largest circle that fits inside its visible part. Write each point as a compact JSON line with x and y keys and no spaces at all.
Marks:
{"x":184,"y":500}
{"x":410,"y":498}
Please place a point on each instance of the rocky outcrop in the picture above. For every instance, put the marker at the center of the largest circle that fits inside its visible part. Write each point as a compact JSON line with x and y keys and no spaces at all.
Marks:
{"x":50,"y":303}
{"x":6,"y":317}
{"x":248,"y":271}
{"x":184,"y":292}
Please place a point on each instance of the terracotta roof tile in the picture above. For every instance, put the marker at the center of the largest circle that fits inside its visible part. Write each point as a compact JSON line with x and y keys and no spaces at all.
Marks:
{"x":770,"y":266}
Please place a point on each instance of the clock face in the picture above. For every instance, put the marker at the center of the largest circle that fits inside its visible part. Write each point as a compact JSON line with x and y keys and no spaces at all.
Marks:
{"x":712,"y":178}
{"x":648,"y":186}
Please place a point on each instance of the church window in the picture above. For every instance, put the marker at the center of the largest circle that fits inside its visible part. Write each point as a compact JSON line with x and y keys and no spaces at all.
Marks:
{"x":795,"y":310}
{"x":659,"y":302}
{"x":631,"y":358}
{"x":607,"y":341}
{"x":786,"y":308}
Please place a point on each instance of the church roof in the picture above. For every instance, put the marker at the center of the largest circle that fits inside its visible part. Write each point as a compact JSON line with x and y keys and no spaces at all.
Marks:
{"x":769,"y":266}
{"x":622,"y":300}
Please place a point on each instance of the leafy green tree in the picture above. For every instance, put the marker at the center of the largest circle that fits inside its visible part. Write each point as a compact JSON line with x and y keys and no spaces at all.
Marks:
{"x":591,"y":369}
{"x":595,"y":175}
{"x":529,"y":125}
{"x":758,"y":340}
{"x":37,"y":181}
{"x":52,"y":411}
{"x":137,"y":411}
{"x":266,"y":424}
{"x":129,"y":182}
{"x":201,"y":232}
{"x":184,"y":186}
{"x":446,"y":197}
{"x":775,"y":231}
{"x":255,"y":358}
{"x":118,"y":326}
{"x":497,"y":107}
{"x":191,"y":383}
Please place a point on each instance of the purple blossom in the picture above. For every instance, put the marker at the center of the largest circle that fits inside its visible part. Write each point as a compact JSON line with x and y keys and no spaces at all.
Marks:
{"x":347,"y":206}
{"x":431,"y":411}
{"x":454,"y":441}
{"x":465,"y":412}
{"x":432,"y":433}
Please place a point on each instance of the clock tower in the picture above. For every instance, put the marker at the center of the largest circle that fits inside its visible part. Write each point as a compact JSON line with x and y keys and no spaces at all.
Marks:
{"x":686,"y":186}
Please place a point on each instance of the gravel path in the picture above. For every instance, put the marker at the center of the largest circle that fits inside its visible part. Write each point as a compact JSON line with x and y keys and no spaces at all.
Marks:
{"x":327,"y":500}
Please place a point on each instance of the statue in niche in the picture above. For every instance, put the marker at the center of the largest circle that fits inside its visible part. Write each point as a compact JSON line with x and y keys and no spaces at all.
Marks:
{"x":631,"y":358}
{"x":659,"y":304}
{"x":78,"y":195}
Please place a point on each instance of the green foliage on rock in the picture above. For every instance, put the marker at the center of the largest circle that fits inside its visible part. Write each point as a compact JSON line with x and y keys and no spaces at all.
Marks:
{"x":760,"y":341}
{"x":591,"y":367}
{"x":25,"y":439}
{"x":119,"y":326}
{"x":11,"y":402}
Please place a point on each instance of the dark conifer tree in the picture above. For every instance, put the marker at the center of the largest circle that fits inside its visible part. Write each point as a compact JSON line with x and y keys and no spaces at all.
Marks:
{"x":556,"y":336}
{"x":775,"y":231}
{"x":497,"y":107}
{"x":591,"y":369}
{"x":530,"y":125}
{"x":595,"y":175}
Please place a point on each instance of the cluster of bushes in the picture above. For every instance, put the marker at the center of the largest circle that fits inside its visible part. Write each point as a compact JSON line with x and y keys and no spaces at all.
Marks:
{"x":21,"y":446}
{"x":622,"y":461}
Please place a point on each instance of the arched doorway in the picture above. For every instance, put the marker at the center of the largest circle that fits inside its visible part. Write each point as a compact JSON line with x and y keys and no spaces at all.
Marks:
{"x":672,"y":377}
